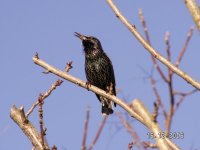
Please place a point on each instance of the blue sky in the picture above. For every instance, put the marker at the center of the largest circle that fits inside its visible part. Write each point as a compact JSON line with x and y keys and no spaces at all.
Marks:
{"x":48,"y":27}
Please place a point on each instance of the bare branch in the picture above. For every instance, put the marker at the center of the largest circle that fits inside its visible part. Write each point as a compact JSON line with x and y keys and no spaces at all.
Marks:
{"x":140,"y":113}
{"x":171,"y":108}
{"x":148,"y":119}
{"x":185,"y":93}
{"x":149,"y":145}
{"x":53,"y":87}
{"x":20,"y":119}
{"x":85,"y":129}
{"x":92,"y":88}
{"x":144,"y":25}
{"x":172,"y":145}
{"x":158,"y":56}
{"x":130,"y":130}
{"x":182,"y":97}
{"x":40,"y":110}
{"x":68,"y":66}
{"x":170,"y":86}
{"x":130,"y":146}
{"x":194,"y":11}
{"x":98,"y":133}
{"x":167,"y":46}
{"x":189,"y":35}
{"x":159,"y":101}
{"x":155,"y":112}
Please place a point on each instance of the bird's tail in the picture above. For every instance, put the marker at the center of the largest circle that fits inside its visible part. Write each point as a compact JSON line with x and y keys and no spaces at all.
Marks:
{"x":106,"y":107}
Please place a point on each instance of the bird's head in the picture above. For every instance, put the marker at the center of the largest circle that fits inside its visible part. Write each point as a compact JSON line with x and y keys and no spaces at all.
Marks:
{"x":90,"y":43}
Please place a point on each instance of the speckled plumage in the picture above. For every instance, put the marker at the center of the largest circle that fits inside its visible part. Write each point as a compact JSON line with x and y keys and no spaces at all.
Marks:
{"x":98,"y":68}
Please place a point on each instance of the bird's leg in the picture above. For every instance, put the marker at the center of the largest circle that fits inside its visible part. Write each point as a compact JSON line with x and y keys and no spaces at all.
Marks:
{"x":110,"y":89}
{"x":87,"y":84}
{"x":104,"y":102}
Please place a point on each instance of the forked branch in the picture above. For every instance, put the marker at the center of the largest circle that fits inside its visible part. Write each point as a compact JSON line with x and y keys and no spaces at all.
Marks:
{"x":140,"y":112}
{"x":19,"y":117}
{"x":150,"y":49}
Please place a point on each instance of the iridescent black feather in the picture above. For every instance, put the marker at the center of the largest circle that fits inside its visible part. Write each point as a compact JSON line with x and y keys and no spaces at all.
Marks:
{"x":99,"y":70}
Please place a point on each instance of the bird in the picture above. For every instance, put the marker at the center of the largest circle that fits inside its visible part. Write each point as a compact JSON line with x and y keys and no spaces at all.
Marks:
{"x":98,"y":69}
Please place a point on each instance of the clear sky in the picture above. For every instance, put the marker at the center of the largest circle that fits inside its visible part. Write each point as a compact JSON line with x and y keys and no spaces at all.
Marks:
{"x":48,"y":27}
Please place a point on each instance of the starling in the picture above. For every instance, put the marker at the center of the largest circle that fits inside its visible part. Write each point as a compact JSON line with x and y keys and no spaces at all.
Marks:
{"x":98,"y":69}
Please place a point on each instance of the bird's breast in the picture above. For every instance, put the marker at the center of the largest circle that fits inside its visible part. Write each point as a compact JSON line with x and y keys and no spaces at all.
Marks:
{"x":93,"y":65}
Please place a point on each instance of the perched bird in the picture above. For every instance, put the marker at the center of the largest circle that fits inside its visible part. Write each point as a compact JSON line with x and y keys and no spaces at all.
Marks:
{"x":98,"y":69}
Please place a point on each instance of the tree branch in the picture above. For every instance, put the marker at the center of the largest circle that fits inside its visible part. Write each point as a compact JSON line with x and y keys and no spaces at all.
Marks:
{"x":171,"y":108}
{"x":182,"y":97}
{"x":44,"y":96}
{"x":85,"y":128}
{"x":189,"y":35}
{"x":156,"y":93}
{"x":98,"y":133}
{"x":141,"y":113}
{"x":144,"y":25}
{"x":148,"y":120}
{"x":194,"y":11}
{"x":136,"y":140}
{"x":19,"y":117}
{"x":150,"y":49}
{"x":170,"y":86}
{"x":81,"y":83}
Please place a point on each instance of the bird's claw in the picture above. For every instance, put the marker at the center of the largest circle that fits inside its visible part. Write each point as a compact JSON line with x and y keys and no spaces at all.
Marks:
{"x":109,"y":89}
{"x":88,"y":84}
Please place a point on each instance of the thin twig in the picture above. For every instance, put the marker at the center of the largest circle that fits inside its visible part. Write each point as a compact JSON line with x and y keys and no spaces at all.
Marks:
{"x":98,"y":133}
{"x":130,"y":130}
{"x":147,"y":144}
{"x":182,"y":97}
{"x":85,"y":129}
{"x":130,"y":146}
{"x":155,"y":112}
{"x":146,"y":45}
{"x":170,"y":86}
{"x":68,"y":66}
{"x":185,"y":93}
{"x":172,"y":145}
{"x":171,"y":107}
{"x":189,"y":35}
{"x":144,"y":25}
{"x":40,"y":110}
{"x":156,"y":93}
{"x":53,"y":87}
{"x":168,"y":46}
{"x":22,"y":121}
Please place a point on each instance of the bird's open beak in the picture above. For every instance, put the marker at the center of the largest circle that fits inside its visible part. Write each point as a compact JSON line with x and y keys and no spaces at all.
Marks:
{"x":80,"y":36}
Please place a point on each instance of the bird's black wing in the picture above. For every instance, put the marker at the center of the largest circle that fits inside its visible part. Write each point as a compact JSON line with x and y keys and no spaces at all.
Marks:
{"x":99,"y":72}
